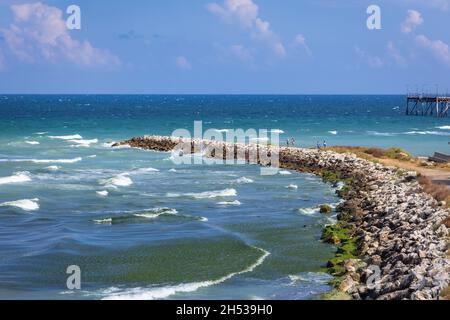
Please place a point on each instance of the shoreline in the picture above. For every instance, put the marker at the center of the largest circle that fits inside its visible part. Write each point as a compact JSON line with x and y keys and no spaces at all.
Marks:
{"x":386,"y":222}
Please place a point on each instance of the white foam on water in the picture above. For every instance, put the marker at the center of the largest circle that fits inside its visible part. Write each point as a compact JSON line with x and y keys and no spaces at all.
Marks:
{"x":277,"y":131}
{"x":156,"y":213}
{"x":57,"y":160}
{"x":244,"y":180}
{"x":381,"y":134}
{"x":120,"y":180}
{"x":43,"y":160}
{"x":309,"y":211}
{"x":92,"y":156}
{"x":285,"y":172}
{"x":292,"y":186}
{"x":333,"y":132}
{"x":68,"y":137}
{"x":167,"y":291}
{"x":104,"y":221}
{"x":434,"y":133}
{"x":315,"y":277}
{"x":17,"y":177}
{"x":339,"y":185}
{"x":80,"y":143}
{"x":40,"y":133}
{"x":107,"y":144}
{"x":32,"y":142}
{"x":25,"y":204}
{"x":143,"y":170}
{"x":53,"y":168}
{"x":229,"y":203}
{"x":173,"y":170}
{"x":207,"y":194}
{"x":443,"y":127}
{"x":103,"y":193}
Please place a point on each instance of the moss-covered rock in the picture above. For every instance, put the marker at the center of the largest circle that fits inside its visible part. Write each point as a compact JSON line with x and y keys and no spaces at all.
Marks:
{"x":326,"y":209}
{"x":342,"y":235}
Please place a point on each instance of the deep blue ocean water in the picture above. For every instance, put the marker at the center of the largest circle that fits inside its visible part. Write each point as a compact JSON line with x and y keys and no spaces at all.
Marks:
{"x":140,"y":226}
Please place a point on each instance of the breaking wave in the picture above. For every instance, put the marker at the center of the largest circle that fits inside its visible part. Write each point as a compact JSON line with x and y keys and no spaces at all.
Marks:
{"x":166,"y":291}
{"x":17,"y":177}
{"x":25,"y":204}
{"x":206,"y":194}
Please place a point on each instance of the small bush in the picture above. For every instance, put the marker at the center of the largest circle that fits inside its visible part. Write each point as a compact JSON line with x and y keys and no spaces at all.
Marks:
{"x":438,"y":191}
{"x":397,"y":153}
{"x":376,"y":152}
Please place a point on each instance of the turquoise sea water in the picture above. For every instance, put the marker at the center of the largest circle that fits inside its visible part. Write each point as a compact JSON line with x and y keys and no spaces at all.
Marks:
{"x":140,"y":226}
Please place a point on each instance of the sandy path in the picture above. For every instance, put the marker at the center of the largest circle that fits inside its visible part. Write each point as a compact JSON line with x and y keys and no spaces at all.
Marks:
{"x":440,"y":176}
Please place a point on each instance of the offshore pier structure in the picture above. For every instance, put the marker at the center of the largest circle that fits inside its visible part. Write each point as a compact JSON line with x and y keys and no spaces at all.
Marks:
{"x":424,"y":104}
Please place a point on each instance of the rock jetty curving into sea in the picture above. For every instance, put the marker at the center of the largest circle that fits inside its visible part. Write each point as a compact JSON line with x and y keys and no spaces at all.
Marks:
{"x":401,"y":241}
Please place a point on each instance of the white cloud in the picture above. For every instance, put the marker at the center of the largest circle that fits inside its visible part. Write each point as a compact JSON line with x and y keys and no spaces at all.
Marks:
{"x":372,"y":61}
{"x":300,"y":41}
{"x":183,"y":63}
{"x":395,"y":54}
{"x":246,"y":13}
{"x":240,"y":52}
{"x":413,"y":20}
{"x":438,"y":48}
{"x":39,"y":32}
{"x":375,"y":62}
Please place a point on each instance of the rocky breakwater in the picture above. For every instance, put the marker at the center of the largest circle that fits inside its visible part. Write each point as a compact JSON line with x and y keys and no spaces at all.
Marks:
{"x":391,"y":241}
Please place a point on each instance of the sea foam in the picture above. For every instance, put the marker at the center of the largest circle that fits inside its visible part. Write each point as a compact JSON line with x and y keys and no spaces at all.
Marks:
{"x":83,"y":143}
{"x":25,"y":204}
{"x":309,"y":211}
{"x":207,"y":194}
{"x":17,"y":177}
{"x":229,"y":203}
{"x":68,"y":137}
{"x":32,"y":142}
{"x":120,"y":180}
{"x":244,"y":180}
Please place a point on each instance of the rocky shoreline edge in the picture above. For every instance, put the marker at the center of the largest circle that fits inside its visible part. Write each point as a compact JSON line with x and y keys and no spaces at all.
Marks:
{"x":387,"y":225}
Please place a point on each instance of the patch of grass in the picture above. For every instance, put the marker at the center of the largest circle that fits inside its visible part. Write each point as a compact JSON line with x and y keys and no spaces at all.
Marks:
{"x":336,"y":295}
{"x":372,"y":153}
{"x":397,"y":153}
{"x":331,"y":176}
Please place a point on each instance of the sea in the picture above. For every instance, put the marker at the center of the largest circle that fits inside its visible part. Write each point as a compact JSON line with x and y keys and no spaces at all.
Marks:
{"x":82,"y":220}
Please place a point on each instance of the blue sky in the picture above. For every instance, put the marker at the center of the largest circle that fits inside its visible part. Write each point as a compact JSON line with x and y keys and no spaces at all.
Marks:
{"x":224,"y":46}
